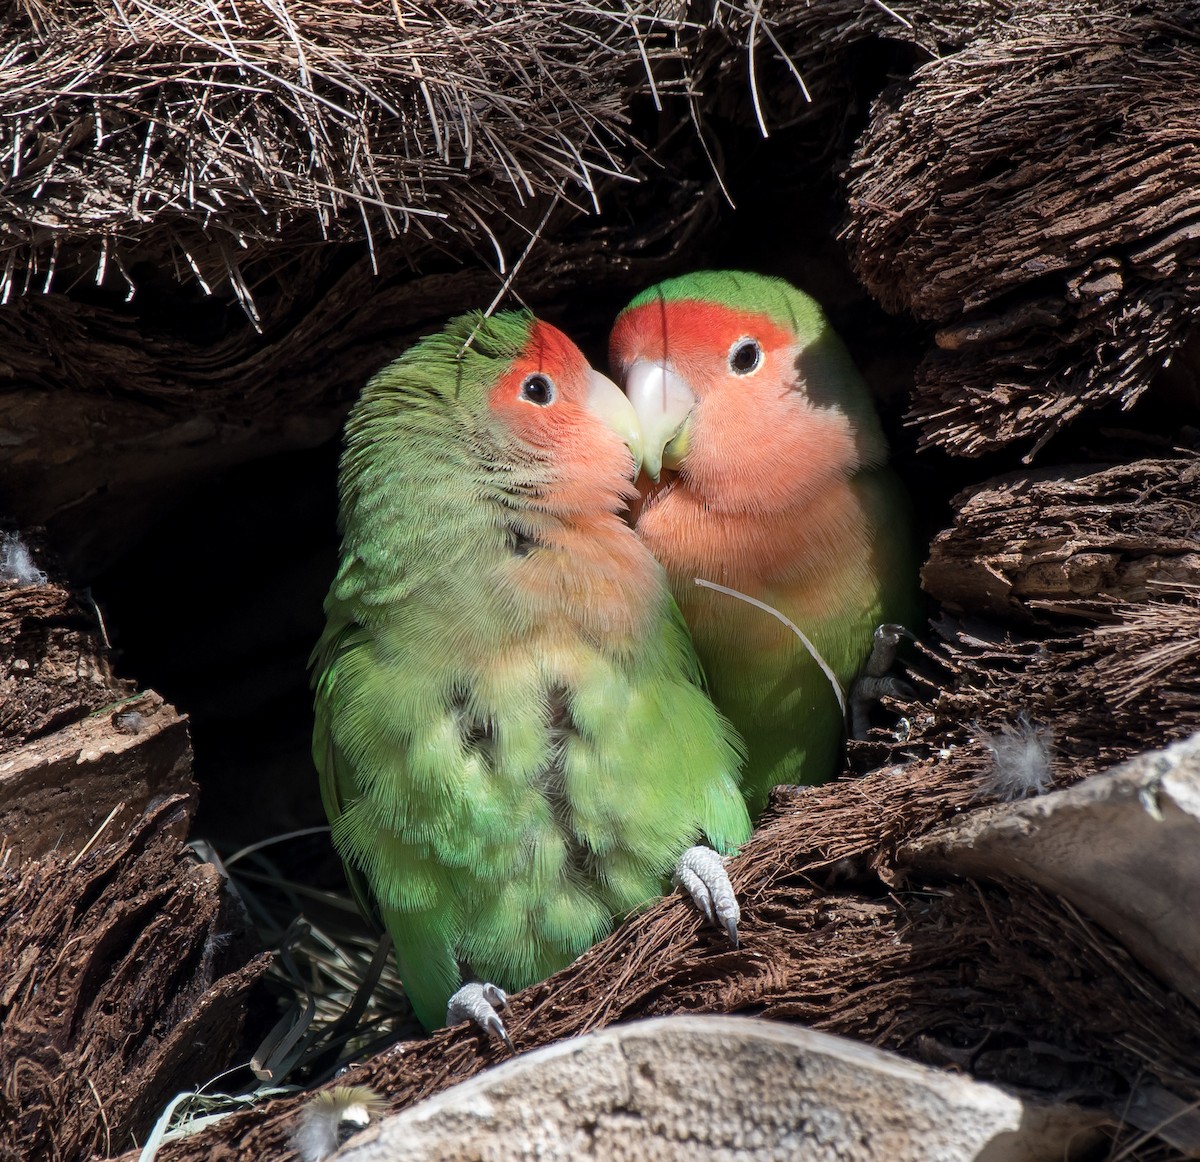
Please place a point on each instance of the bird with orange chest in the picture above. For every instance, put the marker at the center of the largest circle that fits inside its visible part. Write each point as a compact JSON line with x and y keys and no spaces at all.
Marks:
{"x":513,"y":744}
{"x":765,"y":473}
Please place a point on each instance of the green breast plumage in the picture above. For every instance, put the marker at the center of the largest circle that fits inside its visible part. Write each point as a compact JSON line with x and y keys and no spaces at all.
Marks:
{"x":502,"y":784}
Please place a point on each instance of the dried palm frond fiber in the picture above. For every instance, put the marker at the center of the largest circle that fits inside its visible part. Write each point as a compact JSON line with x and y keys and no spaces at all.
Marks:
{"x":1071,"y":597}
{"x":221,"y":125}
{"x":1030,"y":545}
{"x":217,"y":219}
{"x":129,"y":972}
{"x":1002,"y":980}
{"x":208,"y":132}
{"x":1035,"y":196}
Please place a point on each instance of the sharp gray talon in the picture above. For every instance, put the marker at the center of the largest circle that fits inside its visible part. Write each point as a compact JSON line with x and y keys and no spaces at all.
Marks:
{"x":479,"y":1002}
{"x":701,"y":873}
{"x":875,"y":681}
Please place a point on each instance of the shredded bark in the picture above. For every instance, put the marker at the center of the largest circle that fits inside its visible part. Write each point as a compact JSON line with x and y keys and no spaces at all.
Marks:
{"x":225,"y":162}
{"x":124,"y":966}
{"x":126,"y":978}
{"x":1036,"y":196}
{"x":220,"y":126}
{"x":1026,"y":546}
{"x":1127,"y":684}
{"x":1090,"y":582}
{"x":53,"y":668}
{"x":1001,"y":980}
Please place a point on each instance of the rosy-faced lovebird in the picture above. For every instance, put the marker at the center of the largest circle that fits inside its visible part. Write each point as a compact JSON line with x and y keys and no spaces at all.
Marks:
{"x":766,"y":466}
{"x":513,"y":742}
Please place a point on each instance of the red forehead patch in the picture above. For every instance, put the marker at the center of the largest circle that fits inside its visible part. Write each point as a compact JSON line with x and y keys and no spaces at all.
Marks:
{"x":549,"y":350}
{"x":651,"y":330}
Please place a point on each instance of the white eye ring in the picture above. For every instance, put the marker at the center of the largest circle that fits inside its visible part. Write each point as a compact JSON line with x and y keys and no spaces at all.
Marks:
{"x":539,"y":389}
{"x":745,"y":356}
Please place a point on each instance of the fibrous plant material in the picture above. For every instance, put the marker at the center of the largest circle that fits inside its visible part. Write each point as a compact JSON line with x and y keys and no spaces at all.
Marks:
{"x":767,"y":64}
{"x":1003,"y":981}
{"x":218,"y":126}
{"x":1046,"y":233}
{"x":125,"y":980}
{"x":1122,"y":846}
{"x":1027,"y":548}
{"x":1129,"y":683}
{"x":53,"y":664}
{"x":1090,"y":580}
{"x":91,"y":780}
{"x":124,"y":962}
{"x":205,"y":152}
{"x":201,"y":133}
{"x":1036,"y":197}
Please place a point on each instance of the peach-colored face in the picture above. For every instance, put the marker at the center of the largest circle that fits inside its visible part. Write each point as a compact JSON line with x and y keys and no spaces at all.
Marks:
{"x":543,"y":400}
{"x":544,"y":392}
{"x":754,"y":440}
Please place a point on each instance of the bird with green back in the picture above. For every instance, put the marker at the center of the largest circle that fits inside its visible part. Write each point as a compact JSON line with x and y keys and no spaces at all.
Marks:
{"x":766,"y":474}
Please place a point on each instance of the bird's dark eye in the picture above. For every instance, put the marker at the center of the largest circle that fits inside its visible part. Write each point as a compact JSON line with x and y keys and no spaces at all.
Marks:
{"x":538,"y":389}
{"x":744,"y":356}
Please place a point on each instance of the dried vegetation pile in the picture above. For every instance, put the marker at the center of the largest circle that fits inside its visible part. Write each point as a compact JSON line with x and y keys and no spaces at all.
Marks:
{"x":295,"y":190}
{"x":1034,"y":197}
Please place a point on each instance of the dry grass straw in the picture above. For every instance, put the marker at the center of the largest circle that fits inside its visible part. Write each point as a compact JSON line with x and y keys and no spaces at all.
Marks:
{"x":224,"y":123}
{"x":328,"y":966}
{"x":200,"y":133}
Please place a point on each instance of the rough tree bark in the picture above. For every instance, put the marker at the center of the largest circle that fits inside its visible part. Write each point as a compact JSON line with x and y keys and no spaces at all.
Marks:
{"x":127,"y":965}
{"x":1001,"y":979}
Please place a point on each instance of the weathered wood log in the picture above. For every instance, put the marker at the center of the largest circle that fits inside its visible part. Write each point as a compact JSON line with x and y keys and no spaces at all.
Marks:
{"x":769,"y":1091}
{"x":1123,"y":846}
{"x":125,"y":966}
{"x":125,"y":979}
{"x":1068,"y":541}
{"x":93,"y":779}
{"x":53,"y":668}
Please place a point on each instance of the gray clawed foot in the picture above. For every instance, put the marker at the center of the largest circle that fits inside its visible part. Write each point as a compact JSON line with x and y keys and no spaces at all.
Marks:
{"x":701,"y":873}
{"x":480,"y":1002}
{"x":875,"y":681}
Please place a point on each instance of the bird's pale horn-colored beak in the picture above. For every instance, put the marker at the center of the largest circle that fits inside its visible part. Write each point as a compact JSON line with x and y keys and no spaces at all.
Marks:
{"x":604,"y":399}
{"x":663,"y":402}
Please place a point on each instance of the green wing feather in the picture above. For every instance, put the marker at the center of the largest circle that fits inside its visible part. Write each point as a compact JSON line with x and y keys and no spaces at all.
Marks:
{"x":335,"y":776}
